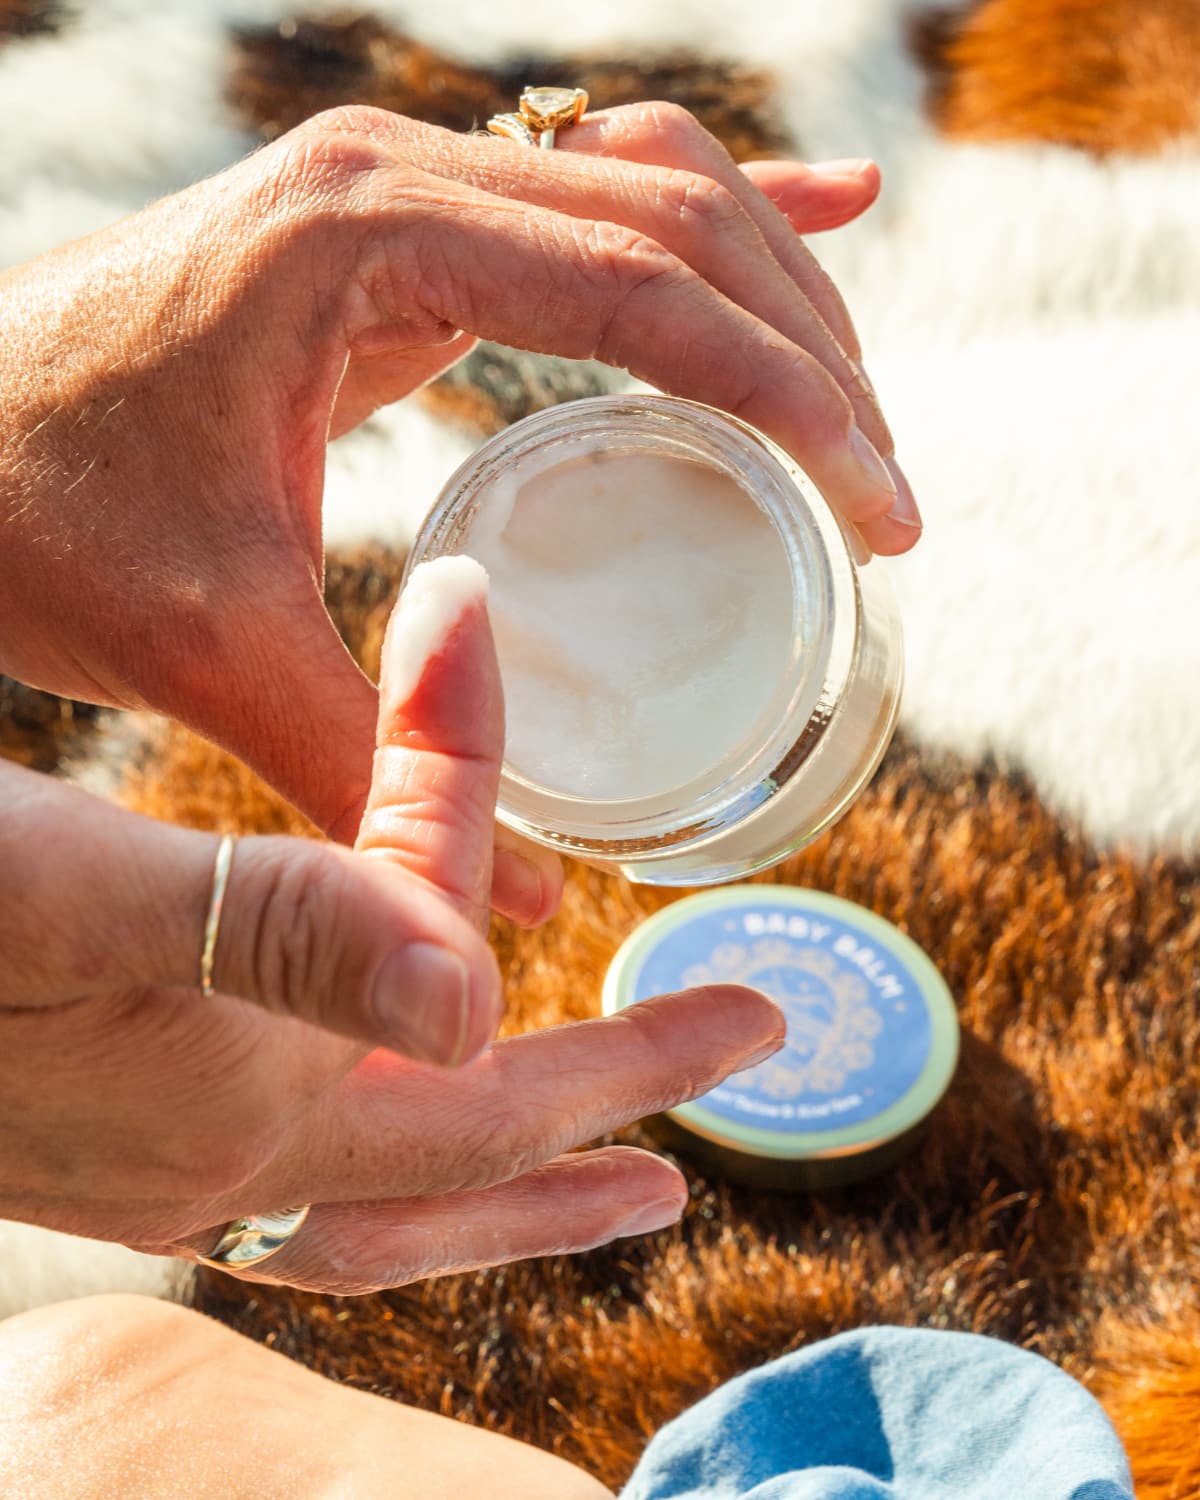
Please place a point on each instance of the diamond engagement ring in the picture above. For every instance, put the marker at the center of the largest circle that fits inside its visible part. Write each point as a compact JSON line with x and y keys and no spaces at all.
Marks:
{"x":541,"y":113}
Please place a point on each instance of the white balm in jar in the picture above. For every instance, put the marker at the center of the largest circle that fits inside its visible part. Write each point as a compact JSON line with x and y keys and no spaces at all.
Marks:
{"x":698,"y":679}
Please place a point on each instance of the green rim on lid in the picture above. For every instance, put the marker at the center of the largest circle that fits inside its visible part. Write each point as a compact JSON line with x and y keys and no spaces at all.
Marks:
{"x":872,"y":1038}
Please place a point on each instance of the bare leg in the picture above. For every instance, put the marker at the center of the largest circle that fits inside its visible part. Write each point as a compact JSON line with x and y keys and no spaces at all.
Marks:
{"x":127,"y":1397}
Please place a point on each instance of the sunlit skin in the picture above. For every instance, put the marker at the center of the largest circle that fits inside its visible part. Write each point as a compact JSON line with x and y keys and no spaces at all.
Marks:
{"x":170,"y":385}
{"x":169,"y":388}
{"x":117,"y":1396}
{"x":136,"y":1111}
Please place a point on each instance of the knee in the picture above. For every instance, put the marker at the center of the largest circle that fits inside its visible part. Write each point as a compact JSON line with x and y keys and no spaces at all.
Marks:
{"x":55,"y":1357}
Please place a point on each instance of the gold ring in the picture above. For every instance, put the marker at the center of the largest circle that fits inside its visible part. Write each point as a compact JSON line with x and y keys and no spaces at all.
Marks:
{"x":256,"y":1237}
{"x":541,"y":112}
{"x":216,"y":902}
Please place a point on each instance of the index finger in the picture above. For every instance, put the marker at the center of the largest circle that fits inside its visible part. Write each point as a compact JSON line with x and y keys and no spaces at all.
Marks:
{"x":394,"y":1129}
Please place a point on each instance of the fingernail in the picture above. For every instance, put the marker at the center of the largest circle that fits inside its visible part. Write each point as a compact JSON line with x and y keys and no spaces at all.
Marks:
{"x":905,"y":509}
{"x":849,"y":166}
{"x":421,"y":998}
{"x":768,"y":1049}
{"x":649,"y":1217}
{"x":871,"y":466}
{"x":520,"y":882}
{"x":864,"y":381}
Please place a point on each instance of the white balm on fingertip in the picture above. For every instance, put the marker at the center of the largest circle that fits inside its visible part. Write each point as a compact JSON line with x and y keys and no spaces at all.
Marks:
{"x":436,"y":596}
{"x":697,"y":678}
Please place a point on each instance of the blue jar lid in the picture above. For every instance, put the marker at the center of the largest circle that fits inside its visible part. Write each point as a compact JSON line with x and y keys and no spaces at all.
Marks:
{"x":872,"y":1034}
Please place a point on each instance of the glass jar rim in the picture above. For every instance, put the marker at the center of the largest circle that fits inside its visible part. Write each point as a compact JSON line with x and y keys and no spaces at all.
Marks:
{"x":821,"y":654}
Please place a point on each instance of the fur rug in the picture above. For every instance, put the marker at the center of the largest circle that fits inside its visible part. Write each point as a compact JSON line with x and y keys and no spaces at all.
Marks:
{"x":1028,"y":295}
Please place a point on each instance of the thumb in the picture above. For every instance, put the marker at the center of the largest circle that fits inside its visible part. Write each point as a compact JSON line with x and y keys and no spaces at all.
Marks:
{"x":282,"y":692}
{"x":356,"y":946}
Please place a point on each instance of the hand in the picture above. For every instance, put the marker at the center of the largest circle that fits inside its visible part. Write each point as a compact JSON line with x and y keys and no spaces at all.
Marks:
{"x":135,"y":1110}
{"x":169,"y":386}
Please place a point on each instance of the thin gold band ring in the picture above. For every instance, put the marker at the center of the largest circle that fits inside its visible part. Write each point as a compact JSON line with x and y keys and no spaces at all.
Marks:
{"x":216,"y":904}
{"x":253,"y":1238}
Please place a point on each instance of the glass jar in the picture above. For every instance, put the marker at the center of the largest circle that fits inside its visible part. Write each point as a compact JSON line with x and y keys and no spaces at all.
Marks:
{"x":831,"y":712}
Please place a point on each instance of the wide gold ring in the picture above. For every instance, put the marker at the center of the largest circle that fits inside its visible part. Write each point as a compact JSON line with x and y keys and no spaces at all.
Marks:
{"x":542,"y":111}
{"x":250,"y":1240}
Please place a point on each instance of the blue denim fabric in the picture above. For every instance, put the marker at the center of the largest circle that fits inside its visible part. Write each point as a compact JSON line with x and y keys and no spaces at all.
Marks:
{"x":891,"y":1414}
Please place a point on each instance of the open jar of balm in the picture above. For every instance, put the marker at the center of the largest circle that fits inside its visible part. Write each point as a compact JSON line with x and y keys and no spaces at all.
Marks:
{"x":698,"y":679}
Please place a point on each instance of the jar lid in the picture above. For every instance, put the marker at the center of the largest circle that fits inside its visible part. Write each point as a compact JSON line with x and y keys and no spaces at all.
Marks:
{"x":872,"y":1034}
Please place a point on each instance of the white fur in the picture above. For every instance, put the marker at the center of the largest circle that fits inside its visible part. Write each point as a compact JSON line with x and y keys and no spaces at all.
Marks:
{"x":123,"y":106}
{"x":1031,"y":318}
{"x":381,"y":480}
{"x":1051,"y":609}
{"x":39,"y":1266}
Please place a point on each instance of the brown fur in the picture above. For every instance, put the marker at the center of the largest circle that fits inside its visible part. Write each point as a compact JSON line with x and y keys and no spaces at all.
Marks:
{"x":36,"y":728}
{"x":1054,"y":1202}
{"x":1148,"y":1376}
{"x":1103,"y":75}
{"x":495,"y":386}
{"x":28,"y":17}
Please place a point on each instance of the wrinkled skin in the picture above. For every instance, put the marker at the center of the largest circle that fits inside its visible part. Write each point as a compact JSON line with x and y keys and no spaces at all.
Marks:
{"x":170,"y":385}
{"x":169,"y":388}
{"x":134,"y":1109}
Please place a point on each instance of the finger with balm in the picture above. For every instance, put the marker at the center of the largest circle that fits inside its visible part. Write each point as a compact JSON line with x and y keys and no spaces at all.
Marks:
{"x":344,"y":982}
